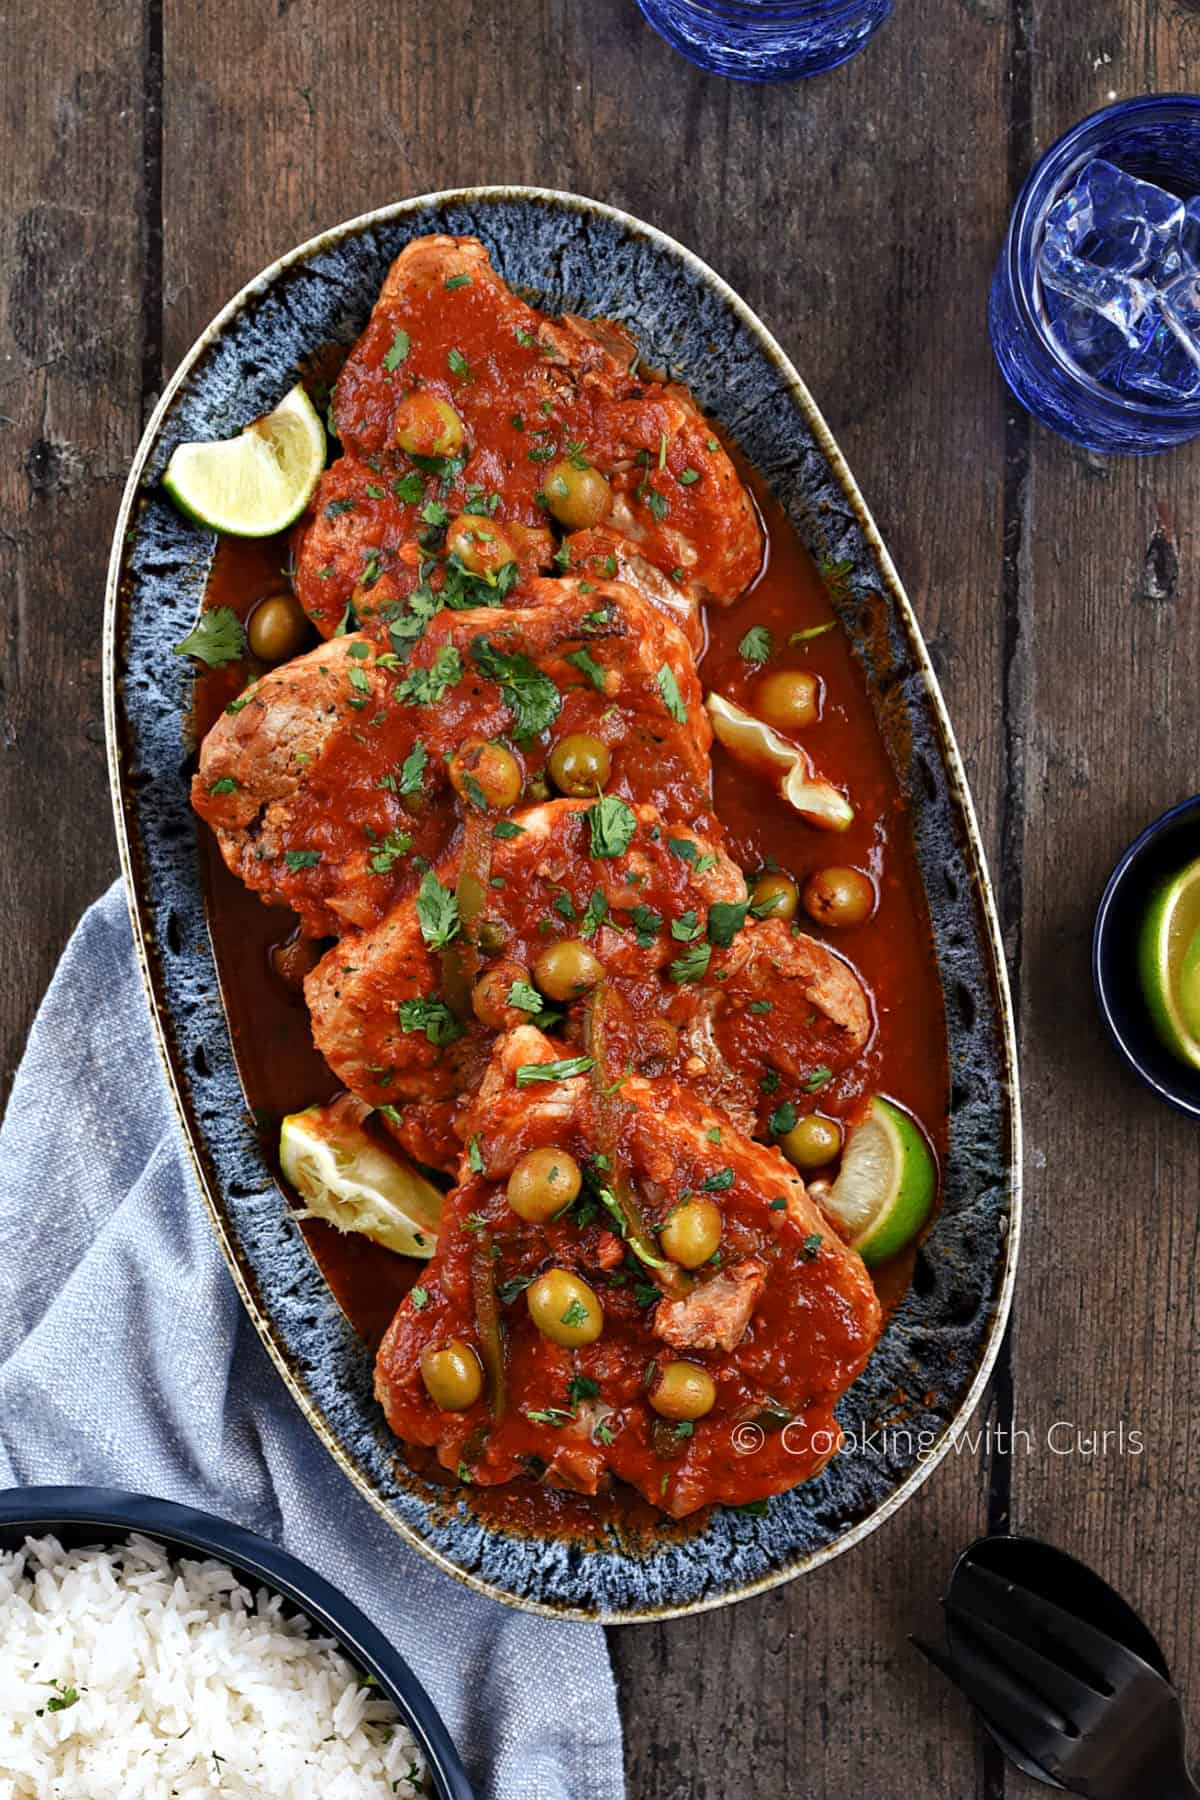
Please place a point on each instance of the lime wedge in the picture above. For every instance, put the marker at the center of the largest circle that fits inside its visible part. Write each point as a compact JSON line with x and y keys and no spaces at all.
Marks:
{"x":255,"y":484}
{"x":885,"y":1187}
{"x":348,"y":1180}
{"x":1169,"y":961}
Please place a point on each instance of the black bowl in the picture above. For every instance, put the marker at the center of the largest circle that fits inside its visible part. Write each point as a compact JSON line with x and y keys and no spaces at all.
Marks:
{"x":80,"y":1516}
{"x":1164,"y":848}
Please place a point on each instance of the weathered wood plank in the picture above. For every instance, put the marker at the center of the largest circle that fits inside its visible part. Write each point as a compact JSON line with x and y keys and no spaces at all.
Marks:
{"x":70,"y":403}
{"x":1107,"y":1338}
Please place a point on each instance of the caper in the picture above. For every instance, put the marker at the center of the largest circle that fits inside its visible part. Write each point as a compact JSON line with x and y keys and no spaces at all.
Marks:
{"x":692,"y":1232}
{"x":839,"y":897}
{"x":427,"y":426}
{"x":774,"y":897}
{"x":683,"y":1391}
{"x":487,"y":775}
{"x":452,"y":1376}
{"x":542,"y":1183}
{"x":788,"y":698}
{"x":278,"y":629}
{"x":579,"y":764}
{"x":478,"y":544}
{"x":567,"y":969}
{"x":489,"y":996}
{"x":578,"y":496}
{"x":812,"y":1142}
{"x":564,"y":1308}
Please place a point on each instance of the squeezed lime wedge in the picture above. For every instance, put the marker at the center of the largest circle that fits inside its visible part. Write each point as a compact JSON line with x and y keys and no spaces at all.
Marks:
{"x":257,"y":483}
{"x":351,"y":1182}
{"x":1168,"y":955}
{"x":885,"y":1188}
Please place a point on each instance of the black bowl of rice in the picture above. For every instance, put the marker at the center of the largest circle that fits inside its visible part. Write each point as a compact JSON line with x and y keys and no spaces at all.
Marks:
{"x":146,"y":1648}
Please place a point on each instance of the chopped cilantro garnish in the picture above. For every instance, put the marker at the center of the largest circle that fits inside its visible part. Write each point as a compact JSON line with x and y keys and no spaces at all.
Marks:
{"x":612,"y":824}
{"x":437,"y":912}
{"x":647,"y":924}
{"x":820,"y":1075}
{"x":433,"y":1017}
{"x":782,"y":1119}
{"x":457,"y":281}
{"x":216,"y":639}
{"x":530,"y":693}
{"x":419,"y":1297}
{"x":717,"y":1182}
{"x":587,"y":665}
{"x":693,"y":964}
{"x":507,"y":828}
{"x":458,"y":362}
{"x":686,"y":477}
{"x":594,"y":914}
{"x":399,"y":350}
{"x":686,"y":927}
{"x":725,"y":920}
{"x":475,"y":1155}
{"x":812,"y":631}
{"x":757,"y":646}
{"x":668,"y":687}
{"x":525,"y":997}
{"x":410,"y":488}
{"x":657,"y":503}
{"x":563,"y":1070}
{"x":575,"y":1315}
{"x":811,"y":1246}
{"x":302,"y":859}
{"x":224,"y":785}
{"x":426,"y":686}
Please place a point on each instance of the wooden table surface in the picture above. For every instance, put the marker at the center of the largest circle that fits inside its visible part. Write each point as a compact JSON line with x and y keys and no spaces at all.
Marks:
{"x":155,"y":156}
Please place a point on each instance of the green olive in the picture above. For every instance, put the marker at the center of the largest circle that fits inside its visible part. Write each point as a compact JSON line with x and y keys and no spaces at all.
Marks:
{"x":566,"y":970}
{"x":774,"y":897}
{"x":427,"y":426}
{"x":812,"y":1142}
{"x":478,"y":544}
{"x":578,"y":497}
{"x":839,"y":897}
{"x":452,"y":1376}
{"x":789,"y":699}
{"x":542,"y":1183}
{"x":489,"y":996}
{"x":579,"y":764}
{"x":278,"y":629}
{"x":485,"y":772}
{"x":683,"y":1391}
{"x":491,"y":935}
{"x":692,"y":1232}
{"x":564,"y":1308}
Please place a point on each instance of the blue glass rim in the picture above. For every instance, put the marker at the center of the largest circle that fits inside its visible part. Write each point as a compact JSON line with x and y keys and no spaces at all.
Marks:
{"x":1181,"y":1097}
{"x":1049,"y":176}
{"x":34,"y":1511}
{"x":769,"y":14}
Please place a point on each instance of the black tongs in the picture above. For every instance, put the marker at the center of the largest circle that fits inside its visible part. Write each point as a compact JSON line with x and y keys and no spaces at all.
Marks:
{"x":1070,"y":1682}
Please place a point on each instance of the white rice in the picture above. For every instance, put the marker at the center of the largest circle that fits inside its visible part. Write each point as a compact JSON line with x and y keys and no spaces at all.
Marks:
{"x":127,"y":1676}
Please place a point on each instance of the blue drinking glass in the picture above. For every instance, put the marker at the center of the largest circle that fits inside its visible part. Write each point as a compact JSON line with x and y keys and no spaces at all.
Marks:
{"x":767,"y":40}
{"x":1155,"y":138}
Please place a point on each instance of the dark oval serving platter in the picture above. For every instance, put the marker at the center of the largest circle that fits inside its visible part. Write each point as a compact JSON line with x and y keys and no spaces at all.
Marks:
{"x":574,"y":255}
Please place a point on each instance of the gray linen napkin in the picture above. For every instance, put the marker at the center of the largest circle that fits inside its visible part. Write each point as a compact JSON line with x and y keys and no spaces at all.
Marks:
{"x":126,"y":1359}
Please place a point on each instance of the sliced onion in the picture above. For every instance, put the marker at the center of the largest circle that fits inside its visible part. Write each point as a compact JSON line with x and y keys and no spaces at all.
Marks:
{"x":749,"y":739}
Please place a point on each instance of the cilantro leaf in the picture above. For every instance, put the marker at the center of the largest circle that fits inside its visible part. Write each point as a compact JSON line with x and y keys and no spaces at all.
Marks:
{"x":647,"y":923}
{"x":507,"y":828}
{"x":521,"y":994}
{"x":757,"y":646}
{"x":437,"y":912}
{"x":668,"y":687}
{"x":399,"y":350}
{"x":693,"y":964}
{"x":410,"y":488}
{"x":458,"y":362}
{"x":426,"y":686}
{"x":216,"y":639}
{"x":595,"y":914}
{"x":302,"y":859}
{"x":587,"y":665}
{"x":782,"y":1119}
{"x":612,"y":826}
{"x":686,"y":927}
{"x":725,"y":920}
{"x":528,"y":692}
{"x":433,"y":1017}
{"x":528,"y":1073}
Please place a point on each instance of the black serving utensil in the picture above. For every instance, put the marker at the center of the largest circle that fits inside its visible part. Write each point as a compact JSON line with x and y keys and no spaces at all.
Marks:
{"x":1072,"y":1685}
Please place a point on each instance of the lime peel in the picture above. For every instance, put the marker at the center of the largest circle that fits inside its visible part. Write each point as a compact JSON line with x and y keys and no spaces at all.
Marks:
{"x":258,"y":483}
{"x":885,"y":1188}
{"x":349,"y":1181}
{"x":1168,"y":960}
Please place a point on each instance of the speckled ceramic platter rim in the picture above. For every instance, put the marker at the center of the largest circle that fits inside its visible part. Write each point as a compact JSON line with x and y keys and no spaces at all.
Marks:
{"x":939,"y":1349}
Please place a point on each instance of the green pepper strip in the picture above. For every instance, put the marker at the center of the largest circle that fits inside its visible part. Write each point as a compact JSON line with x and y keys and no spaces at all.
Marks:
{"x":460,"y":958}
{"x":618,"y":1196}
{"x":487,"y":1321}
